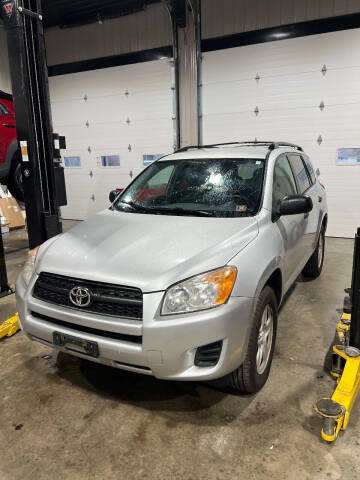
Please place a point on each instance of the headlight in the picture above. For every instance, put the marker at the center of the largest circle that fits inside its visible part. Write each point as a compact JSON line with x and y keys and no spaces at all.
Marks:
{"x":29,"y":266}
{"x":204,"y":291}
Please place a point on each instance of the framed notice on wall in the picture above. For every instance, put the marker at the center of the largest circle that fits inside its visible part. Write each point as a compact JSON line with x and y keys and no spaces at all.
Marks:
{"x":348,"y":156}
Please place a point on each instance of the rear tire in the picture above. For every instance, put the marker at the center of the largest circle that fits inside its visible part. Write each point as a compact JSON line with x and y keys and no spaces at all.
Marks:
{"x":14,"y":182}
{"x":315,"y":263}
{"x":252,"y":375}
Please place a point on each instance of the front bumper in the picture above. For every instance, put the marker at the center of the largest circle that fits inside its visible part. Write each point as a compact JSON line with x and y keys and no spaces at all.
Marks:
{"x":168,"y":346}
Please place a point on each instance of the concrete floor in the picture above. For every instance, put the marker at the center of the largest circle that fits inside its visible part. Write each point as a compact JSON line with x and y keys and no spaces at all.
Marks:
{"x":63,"y":418}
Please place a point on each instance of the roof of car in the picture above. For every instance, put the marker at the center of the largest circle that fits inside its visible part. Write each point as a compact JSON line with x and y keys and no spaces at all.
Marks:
{"x":256,"y":151}
{"x":5,"y":96}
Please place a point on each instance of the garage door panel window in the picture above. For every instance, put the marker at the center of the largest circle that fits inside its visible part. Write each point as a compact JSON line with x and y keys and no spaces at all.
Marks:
{"x":283,"y":183}
{"x":301,"y":173}
{"x":72,"y":162}
{"x":110,"y":161}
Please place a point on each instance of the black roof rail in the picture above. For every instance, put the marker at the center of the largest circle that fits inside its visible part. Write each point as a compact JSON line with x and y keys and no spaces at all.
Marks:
{"x":284,"y":144}
{"x":213,"y":145}
{"x":6,"y":96}
{"x":272,"y":145}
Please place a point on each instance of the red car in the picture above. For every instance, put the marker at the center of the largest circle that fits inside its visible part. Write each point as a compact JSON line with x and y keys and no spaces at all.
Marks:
{"x":10,"y":156}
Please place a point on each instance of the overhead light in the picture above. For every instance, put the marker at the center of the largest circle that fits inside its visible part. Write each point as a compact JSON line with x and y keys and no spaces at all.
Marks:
{"x":279,"y":34}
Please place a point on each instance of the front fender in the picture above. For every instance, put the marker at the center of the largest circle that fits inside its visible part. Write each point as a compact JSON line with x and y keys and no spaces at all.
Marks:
{"x":258,"y":261}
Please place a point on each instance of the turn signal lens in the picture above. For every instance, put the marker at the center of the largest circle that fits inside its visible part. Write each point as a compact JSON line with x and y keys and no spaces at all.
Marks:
{"x":224,"y":280}
{"x":201,"y":292}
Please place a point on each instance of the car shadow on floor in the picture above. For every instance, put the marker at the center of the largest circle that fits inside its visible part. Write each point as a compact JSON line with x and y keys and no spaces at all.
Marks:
{"x":192,"y":398}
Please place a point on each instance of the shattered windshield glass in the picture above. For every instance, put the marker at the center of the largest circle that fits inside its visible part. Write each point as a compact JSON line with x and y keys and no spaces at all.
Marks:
{"x":196,"y":187}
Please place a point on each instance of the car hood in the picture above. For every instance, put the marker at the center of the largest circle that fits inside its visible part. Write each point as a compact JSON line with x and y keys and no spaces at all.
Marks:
{"x":151,"y":252}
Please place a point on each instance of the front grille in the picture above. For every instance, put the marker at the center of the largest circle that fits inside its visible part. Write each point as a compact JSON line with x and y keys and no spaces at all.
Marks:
{"x":106,"y":299}
{"x":93,"y":331}
{"x":208,"y":355}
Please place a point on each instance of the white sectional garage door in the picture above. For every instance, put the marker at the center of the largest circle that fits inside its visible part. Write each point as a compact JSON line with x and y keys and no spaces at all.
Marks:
{"x":111,"y":118}
{"x":305,"y":91}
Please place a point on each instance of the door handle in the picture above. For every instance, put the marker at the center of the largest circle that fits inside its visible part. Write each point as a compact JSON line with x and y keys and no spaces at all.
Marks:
{"x":320,"y":199}
{"x":8,"y":125}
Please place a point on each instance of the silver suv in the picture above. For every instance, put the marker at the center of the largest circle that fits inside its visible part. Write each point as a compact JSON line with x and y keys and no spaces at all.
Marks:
{"x":182,"y":277}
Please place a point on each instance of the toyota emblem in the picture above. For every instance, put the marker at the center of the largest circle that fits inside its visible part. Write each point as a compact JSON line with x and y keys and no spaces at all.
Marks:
{"x":80,"y":296}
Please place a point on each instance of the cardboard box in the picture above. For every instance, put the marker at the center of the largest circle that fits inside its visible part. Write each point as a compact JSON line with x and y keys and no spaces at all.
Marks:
{"x":10,"y":209}
{"x":4,"y":229}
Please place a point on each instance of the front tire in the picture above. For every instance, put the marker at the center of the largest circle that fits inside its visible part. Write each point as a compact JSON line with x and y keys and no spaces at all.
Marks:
{"x":252,"y":375}
{"x":315,"y":263}
{"x":14,"y":182}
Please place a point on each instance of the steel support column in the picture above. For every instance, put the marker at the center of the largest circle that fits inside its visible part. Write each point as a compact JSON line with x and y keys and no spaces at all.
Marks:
{"x":355,"y":295}
{"x":41,"y":171}
{"x":4,"y":287}
{"x":186,"y":25}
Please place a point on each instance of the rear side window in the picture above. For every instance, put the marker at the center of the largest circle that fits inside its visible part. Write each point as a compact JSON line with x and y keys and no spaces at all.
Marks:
{"x":284,"y":182}
{"x":310,"y":170}
{"x":300,"y":172}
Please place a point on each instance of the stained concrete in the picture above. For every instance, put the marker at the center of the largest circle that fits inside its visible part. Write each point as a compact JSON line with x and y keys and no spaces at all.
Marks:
{"x":63,"y":418}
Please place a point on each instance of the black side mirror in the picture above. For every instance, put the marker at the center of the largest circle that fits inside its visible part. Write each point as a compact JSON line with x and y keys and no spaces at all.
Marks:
{"x":295,"y":204}
{"x":112,"y":195}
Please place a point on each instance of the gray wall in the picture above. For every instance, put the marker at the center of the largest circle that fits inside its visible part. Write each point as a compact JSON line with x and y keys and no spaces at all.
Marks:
{"x":224,"y":17}
{"x":5,"y":84}
{"x":150,"y":28}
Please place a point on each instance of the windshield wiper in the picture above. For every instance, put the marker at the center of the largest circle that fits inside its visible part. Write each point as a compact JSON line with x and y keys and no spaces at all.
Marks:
{"x":182,"y":211}
{"x":167,"y":210}
{"x":137,"y":206}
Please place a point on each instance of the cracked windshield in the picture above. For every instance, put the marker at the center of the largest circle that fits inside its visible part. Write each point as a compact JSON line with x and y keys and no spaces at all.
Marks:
{"x":196,"y":187}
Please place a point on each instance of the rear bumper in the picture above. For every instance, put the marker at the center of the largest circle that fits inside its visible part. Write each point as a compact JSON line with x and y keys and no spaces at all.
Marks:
{"x":168,"y":345}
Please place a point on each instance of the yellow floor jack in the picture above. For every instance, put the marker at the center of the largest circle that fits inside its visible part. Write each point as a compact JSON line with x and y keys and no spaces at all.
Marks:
{"x":345,"y":360}
{"x":10,"y":326}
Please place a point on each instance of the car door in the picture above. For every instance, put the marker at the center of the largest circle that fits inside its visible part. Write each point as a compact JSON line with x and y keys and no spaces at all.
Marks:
{"x":309,"y":221}
{"x":290,"y":226}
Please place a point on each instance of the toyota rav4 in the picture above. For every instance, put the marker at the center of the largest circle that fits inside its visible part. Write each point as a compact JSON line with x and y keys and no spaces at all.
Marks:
{"x":183,"y":275}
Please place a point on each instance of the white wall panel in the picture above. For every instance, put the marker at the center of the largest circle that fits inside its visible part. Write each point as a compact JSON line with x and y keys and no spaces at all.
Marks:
{"x":290,"y":88}
{"x":226,"y":17}
{"x":5,"y":83}
{"x":106,"y":99}
{"x":143,"y":30}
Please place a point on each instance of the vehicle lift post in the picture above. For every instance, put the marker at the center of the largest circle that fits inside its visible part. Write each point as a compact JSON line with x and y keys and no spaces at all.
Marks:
{"x":346,"y":360}
{"x":42,"y":173}
{"x":5,"y":289}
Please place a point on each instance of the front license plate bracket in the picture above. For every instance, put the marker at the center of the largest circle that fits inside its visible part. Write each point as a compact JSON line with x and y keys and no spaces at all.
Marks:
{"x":76,"y":344}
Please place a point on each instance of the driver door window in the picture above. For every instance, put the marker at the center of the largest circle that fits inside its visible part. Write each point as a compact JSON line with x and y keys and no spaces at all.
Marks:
{"x":283,"y":183}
